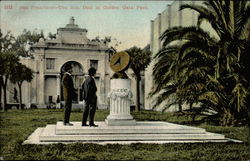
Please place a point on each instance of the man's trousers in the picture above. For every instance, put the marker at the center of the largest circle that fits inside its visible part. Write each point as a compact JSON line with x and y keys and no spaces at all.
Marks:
{"x":89,"y":110}
{"x":67,"y":110}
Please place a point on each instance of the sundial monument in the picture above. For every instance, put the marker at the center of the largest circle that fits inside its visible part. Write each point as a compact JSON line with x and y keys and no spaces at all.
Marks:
{"x":120,"y":93}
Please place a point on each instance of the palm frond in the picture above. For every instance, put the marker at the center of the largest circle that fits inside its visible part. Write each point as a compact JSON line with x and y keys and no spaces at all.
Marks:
{"x":210,"y":15}
{"x":211,"y":96}
{"x":166,"y":50}
{"x":242,"y":20}
{"x":166,"y":93}
{"x":185,"y":33}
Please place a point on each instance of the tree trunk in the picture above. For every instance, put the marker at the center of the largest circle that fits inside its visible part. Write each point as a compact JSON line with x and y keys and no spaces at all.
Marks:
{"x":180,"y":106}
{"x":191,"y":105}
{"x":227,"y":118}
{"x":20,"y":95}
{"x":1,"y":85}
{"x":5,"y":93}
{"x":248,"y":109}
{"x":137,"y":106}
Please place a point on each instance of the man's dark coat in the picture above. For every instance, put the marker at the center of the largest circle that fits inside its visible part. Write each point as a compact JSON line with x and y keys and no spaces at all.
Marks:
{"x":68,"y":95}
{"x":89,"y":91}
{"x":89,"y":95}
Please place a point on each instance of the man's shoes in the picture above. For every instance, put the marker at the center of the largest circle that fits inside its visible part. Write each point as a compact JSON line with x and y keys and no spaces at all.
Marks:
{"x":85,"y":125}
{"x":93,"y":125}
{"x":68,"y":124}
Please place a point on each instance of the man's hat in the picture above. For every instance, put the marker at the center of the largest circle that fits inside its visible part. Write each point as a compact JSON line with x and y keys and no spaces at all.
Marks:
{"x":92,"y":71}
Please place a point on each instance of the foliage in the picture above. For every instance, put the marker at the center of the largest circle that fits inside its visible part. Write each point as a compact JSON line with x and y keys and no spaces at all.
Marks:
{"x":186,"y":62}
{"x":17,"y":125}
{"x":196,"y":68}
{"x":139,"y":60}
{"x":19,"y":74}
{"x":10,"y":68}
{"x":51,"y":36}
{"x":25,"y":40}
{"x":8,"y":60}
{"x":6,"y":43}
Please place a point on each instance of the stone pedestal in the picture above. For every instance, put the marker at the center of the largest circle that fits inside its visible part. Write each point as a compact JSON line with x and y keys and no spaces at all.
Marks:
{"x":120,"y":96}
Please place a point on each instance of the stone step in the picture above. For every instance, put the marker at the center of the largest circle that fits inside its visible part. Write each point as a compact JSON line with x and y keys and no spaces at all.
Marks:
{"x":141,"y":127}
{"x":34,"y":139}
{"x":49,"y":135}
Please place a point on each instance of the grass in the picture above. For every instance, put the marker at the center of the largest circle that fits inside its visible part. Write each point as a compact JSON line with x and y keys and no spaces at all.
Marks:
{"x":17,"y":125}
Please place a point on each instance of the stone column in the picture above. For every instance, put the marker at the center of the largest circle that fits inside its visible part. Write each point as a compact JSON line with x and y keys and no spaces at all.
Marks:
{"x":120,"y":96}
{"x":58,"y":90}
{"x":41,"y":81}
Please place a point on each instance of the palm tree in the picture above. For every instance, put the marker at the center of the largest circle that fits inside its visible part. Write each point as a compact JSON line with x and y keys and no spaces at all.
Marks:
{"x":216,"y":63}
{"x":186,"y":63}
{"x":230,"y":20}
{"x":166,"y":83}
{"x":140,"y":59}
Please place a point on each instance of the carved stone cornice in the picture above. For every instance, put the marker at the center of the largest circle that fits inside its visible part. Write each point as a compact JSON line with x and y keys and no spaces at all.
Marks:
{"x":122,"y":93}
{"x":72,"y":29}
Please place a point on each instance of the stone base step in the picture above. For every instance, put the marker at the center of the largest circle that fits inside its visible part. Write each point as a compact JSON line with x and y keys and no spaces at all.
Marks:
{"x":141,"y":127}
{"x":49,"y":134}
{"x":34,"y":139}
{"x":143,"y":132}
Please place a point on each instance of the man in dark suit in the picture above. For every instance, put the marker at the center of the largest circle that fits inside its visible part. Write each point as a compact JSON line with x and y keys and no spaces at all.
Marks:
{"x":89,"y":95}
{"x":68,"y":93}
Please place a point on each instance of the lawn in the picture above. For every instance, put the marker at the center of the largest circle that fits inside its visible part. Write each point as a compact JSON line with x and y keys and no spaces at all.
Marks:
{"x":17,"y":125}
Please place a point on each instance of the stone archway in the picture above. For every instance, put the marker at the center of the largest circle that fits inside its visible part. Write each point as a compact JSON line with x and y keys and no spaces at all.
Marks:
{"x":78,"y":78}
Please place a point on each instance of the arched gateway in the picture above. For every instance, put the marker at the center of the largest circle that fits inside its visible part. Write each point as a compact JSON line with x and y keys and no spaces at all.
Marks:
{"x":71,"y":46}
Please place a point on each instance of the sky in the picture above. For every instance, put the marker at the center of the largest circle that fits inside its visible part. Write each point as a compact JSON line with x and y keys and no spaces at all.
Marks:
{"x":126,"y":21}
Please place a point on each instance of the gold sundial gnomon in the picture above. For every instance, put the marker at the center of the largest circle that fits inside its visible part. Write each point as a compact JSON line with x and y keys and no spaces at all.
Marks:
{"x":120,"y":61}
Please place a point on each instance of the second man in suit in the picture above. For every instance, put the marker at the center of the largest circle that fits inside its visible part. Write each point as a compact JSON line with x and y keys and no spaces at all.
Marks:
{"x":89,"y":95}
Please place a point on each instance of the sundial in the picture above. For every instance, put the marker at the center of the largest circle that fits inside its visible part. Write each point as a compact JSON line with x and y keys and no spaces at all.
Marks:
{"x":119,"y":63}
